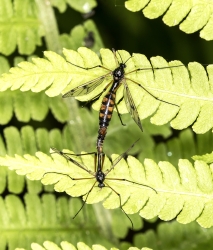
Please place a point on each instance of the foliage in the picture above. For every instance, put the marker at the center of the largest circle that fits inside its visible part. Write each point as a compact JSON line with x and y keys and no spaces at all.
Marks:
{"x":32,"y":221}
{"x":34,"y":117}
{"x":193,"y":15}
{"x":68,"y":246}
{"x":172,"y":235}
{"x":19,"y":21}
{"x":190,"y":88}
{"x":184,"y":146}
{"x":176,"y":191}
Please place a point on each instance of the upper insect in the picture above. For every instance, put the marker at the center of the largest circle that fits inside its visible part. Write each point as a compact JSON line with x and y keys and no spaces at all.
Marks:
{"x":109,"y":101}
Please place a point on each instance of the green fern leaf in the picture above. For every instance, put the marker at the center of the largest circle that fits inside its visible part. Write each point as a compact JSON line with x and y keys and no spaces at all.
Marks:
{"x":173,"y":235}
{"x":183,"y":146}
{"x":194,"y":15}
{"x":19,"y":21}
{"x":80,"y":34}
{"x":28,"y":105}
{"x":21,"y":224}
{"x":64,"y":245}
{"x":171,"y":85}
{"x":207,"y":158}
{"x":28,"y":140}
{"x":176,"y":193}
{"x":31,"y":105}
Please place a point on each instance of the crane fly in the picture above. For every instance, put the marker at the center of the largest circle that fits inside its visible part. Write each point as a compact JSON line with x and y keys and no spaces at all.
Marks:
{"x":100,"y":177}
{"x":108,"y":101}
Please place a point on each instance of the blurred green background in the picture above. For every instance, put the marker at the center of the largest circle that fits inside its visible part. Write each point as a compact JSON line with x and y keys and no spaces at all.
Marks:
{"x":122,"y":29}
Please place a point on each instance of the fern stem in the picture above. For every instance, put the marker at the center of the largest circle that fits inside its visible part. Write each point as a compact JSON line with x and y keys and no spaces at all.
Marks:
{"x":104,"y":220}
{"x":77,"y":126}
{"x":47,"y":17}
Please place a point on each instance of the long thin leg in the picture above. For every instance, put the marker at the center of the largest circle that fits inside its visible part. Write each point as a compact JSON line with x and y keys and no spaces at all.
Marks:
{"x":119,"y":196}
{"x":91,"y":153}
{"x":117,"y":179}
{"x":71,"y":160}
{"x":74,"y":179}
{"x":84,"y":201}
{"x":166,"y":67}
{"x":97,"y":66}
{"x":151,"y":93}
{"x":119,"y":115}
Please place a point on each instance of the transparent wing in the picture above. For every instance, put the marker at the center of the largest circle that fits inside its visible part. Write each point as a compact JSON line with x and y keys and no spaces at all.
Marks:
{"x":115,"y":162}
{"x":86,"y":88}
{"x":55,"y":150}
{"x":131,"y":106}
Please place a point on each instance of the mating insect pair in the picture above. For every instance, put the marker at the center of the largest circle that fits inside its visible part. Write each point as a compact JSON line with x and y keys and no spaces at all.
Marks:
{"x":100,"y":178}
{"x":108,"y":101}
{"x":105,"y":115}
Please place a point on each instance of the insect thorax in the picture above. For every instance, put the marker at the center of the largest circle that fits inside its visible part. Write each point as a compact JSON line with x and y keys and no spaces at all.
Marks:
{"x":100,"y":177}
{"x":118,"y":73}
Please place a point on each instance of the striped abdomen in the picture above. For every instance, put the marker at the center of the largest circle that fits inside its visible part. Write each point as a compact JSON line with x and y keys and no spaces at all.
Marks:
{"x":105,"y":116}
{"x":105,"y":113}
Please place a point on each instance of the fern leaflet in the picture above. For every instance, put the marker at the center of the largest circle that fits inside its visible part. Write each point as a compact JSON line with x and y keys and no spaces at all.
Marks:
{"x":22,"y":223}
{"x":173,"y":235}
{"x":194,"y":15}
{"x":177,"y":193}
{"x":64,"y":245}
{"x":19,"y":21}
{"x":189,"y":89}
{"x":183,"y":146}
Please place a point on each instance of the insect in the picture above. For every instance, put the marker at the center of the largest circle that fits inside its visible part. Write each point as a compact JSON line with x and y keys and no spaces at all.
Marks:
{"x":100,"y":177}
{"x":108,"y":102}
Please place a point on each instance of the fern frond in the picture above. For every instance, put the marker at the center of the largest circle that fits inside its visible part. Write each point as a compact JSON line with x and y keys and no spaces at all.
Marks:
{"x":193,"y":15}
{"x":28,"y":141}
{"x":175,"y":236}
{"x":19,"y":21}
{"x":21,"y":224}
{"x":190,"y":88}
{"x":64,"y":245}
{"x":207,"y":158}
{"x":177,"y":192}
{"x":30,"y":105}
{"x":183,"y":146}
{"x":80,"y":36}
{"x":25,"y":141}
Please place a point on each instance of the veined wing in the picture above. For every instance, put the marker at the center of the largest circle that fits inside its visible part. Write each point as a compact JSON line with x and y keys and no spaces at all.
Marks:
{"x":55,"y":150}
{"x":115,"y":162}
{"x":131,"y":106}
{"x":86,"y":88}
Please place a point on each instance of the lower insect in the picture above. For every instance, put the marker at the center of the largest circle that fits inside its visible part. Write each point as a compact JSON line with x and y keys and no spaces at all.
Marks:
{"x":99,"y":176}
